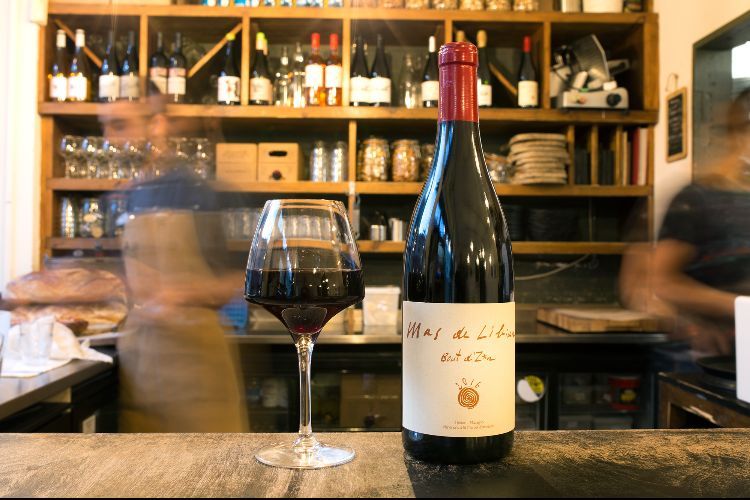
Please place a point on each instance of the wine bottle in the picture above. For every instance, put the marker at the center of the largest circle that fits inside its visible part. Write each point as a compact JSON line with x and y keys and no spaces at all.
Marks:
{"x":430,"y":86}
{"x":157,"y":68}
{"x":109,"y":79}
{"x":460,"y":36}
{"x":484,"y":85}
{"x":334,"y":73}
{"x":298,"y":77}
{"x":228,"y":87}
{"x":58,"y":82}
{"x":315,"y":87}
{"x":130,"y":84}
{"x":528,"y":87}
{"x":458,"y":310}
{"x":282,"y":83}
{"x":380,"y":78}
{"x":79,"y":76}
{"x":177,"y":74}
{"x":261,"y":89}
{"x":359,"y":77}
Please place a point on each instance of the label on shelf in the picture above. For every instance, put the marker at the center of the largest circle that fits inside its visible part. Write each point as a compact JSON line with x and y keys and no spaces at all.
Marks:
{"x":380,"y":90}
{"x":261,"y":89}
{"x":313,"y":75}
{"x":176,"y":82}
{"x":229,"y":89}
{"x":430,"y":91}
{"x":484,"y":94}
{"x":109,"y":87}
{"x":528,"y":94}
{"x":459,"y":377}
{"x":334,"y":76}
{"x":359,"y":89}
{"x":58,"y":88}
{"x":158,"y":77}
{"x":130,"y":87}
{"x":78,"y":86}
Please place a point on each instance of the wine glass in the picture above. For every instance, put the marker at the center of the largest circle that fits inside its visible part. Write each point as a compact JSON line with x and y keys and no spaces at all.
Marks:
{"x":304,"y":268}
{"x":93,"y":154}
{"x":71,"y":151}
{"x":202,"y":157}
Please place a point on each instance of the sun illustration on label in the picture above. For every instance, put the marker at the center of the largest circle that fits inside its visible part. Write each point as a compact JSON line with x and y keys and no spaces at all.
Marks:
{"x":468,"y":395}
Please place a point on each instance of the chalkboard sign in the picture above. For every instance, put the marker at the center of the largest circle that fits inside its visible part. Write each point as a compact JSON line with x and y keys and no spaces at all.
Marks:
{"x":677,"y":125}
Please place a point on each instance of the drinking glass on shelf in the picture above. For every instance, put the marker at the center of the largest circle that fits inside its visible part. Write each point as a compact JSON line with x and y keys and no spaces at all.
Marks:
{"x":154,"y":158}
{"x":181,"y":149}
{"x":93,"y":155}
{"x":134,"y":151}
{"x":114,"y":164}
{"x":409,"y":84}
{"x":71,"y":152}
{"x":304,"y":277}
{"x":203,"y":157}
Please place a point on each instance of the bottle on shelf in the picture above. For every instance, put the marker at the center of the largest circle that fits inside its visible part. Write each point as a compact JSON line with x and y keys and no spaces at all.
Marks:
{"x":298,"y":78}
{"x":228,"y":88}
{"x":460,"y":36}
{"x":79,"y":75}
{"x":359,"y":77}
{"x":333,"y":74}
{"x":409,"y":85}
{"x":177,"y":74}
{"x":282,"y":95}
{"x":458,"y":287}
{"x":315,"y":87}
{"x":484,"y":84}
{"x":430,"y":85}
{"x":528,"y":87}
{"x":380,"y":77}
{"x":261,"y":88}
{"x":130,"y":83}
{"x":109,"y":79}
{"x":157,"y":68}
{"x":58,"y":82}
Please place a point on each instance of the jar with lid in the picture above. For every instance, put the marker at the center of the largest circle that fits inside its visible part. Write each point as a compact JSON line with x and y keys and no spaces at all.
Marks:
{"x":319,"y":162}
{"x":91,"y":219}
{"x":417,"y":4}
{"x":472,"y":4}
{"x":501,"y":5}
{"x":428,"y":153}
{"x":526,"y":5}
{"x":373,"y":160}
{"x":444,"y":4}
{"x":405,"y":160}
{"x":338,"y":163}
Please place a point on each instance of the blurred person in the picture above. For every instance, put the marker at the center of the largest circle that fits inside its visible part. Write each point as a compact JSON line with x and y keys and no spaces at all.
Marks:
{"x":177,"y":371}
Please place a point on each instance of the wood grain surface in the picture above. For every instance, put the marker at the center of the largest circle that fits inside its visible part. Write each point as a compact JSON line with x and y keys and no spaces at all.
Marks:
{"x":560,"y":463}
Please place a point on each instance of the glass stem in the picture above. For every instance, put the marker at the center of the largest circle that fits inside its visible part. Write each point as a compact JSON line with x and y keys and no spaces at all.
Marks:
{"x":306,"y":441}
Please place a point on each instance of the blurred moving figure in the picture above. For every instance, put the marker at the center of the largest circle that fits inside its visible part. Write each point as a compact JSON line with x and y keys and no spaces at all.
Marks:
{"x":177,"y":371}
{"x":701,"y":261}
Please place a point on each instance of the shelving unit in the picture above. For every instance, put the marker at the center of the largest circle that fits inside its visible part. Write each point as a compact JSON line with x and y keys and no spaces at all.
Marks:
{"x":629,"y":35}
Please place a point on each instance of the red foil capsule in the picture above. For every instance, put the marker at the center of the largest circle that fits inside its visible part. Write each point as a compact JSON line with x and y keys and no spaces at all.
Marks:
{"x":458,"y":82}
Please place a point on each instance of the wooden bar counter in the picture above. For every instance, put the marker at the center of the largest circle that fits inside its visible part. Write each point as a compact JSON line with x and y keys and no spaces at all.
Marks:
{"x":709,"y":463}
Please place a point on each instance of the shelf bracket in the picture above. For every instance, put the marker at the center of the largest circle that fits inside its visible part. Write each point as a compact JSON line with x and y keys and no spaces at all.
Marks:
{"x":211,"y":53}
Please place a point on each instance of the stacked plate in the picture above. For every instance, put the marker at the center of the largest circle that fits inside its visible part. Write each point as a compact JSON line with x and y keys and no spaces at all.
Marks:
{"x":539,"y":159}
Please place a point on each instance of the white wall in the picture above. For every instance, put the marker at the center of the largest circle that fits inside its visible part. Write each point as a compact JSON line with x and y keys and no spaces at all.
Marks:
{"x":681,"y":24}
{"x":19,"y":138}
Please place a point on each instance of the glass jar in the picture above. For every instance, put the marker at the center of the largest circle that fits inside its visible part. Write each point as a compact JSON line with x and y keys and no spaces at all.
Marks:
{"x":339,"y":162}
{"x":116,"y":217}
{"x":444,"y":4}
{"x":373,"y":160}
{"x":405,"y":160}
{"x":472,"y":4}
{"x":319,"y":162}
{"x":526,"y":5}
{"x":68,"y":218}
{"x":417,"y":4}
{"x":91,"y":219}
{"x":391,"y":4}
{"x":428,"y":153}
{"x":499,"y":4}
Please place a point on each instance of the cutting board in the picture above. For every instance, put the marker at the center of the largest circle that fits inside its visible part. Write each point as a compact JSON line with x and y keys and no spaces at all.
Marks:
{"x":598,"y":320}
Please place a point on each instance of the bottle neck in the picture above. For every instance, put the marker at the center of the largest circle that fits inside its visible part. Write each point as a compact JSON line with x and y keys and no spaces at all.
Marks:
{"x":458,"y":145}
{"x":458,"y":93}
{"x":160,"y":42}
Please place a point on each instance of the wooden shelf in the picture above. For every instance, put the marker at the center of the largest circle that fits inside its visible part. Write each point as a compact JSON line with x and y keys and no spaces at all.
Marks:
{"x":367,"y":246}
{"x":285,"y":187}
{"x":83,"y":243}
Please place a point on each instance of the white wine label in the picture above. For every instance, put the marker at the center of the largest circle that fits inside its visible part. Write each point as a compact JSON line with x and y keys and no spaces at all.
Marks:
{"x":334,"y":76}
{"x":109,"y":87}
{"x":359,"y":89}
{"x":313,"y":75}
{"x":229,"y":89}
{"x":260,"y":89}
{"x":484,"y":94}
{"x":380,"y":90}
{"x":158,"y":77}
{"x":430,"y":91}
{"x":528,"y":94}
{"x":459,"y":368}
{"x":176,"y":82}
{"x":78,"y":87}
{"x":130,"y":87}
{"x":58,"y":88}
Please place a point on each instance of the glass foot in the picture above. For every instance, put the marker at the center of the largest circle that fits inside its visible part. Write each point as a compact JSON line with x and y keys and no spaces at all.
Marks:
{"x":291,"y":456}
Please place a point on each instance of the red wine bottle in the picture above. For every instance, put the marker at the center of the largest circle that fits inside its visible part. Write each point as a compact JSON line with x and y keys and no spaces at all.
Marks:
{"x":430,"y":88}
{"x":458,"y":309}
{"x":528,"y":87}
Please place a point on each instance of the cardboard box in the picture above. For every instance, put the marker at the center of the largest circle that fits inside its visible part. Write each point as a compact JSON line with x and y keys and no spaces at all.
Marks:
{"x":278,"y":161}
{"x":236,"y":162}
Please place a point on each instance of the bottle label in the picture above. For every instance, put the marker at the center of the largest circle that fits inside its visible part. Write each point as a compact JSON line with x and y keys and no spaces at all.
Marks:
{"x":58,"y":88}
{"x":459,"y":368}
{"x":158,"y":77}
{"x":528,"y":94}
{"x":130,"y":87}
{"x":334,"y":76}
{"x":176,"y":81}
{"x":359,"y":89}
{"x":380,"y":90}
{"x":260,"y":89}
{"x":229,"y":89}
{"x":109,"y":87}
{"x":78,"y":88}
{"x":484,"y":94}
{"x":313,"y":75}
{"x":430,"y":91}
